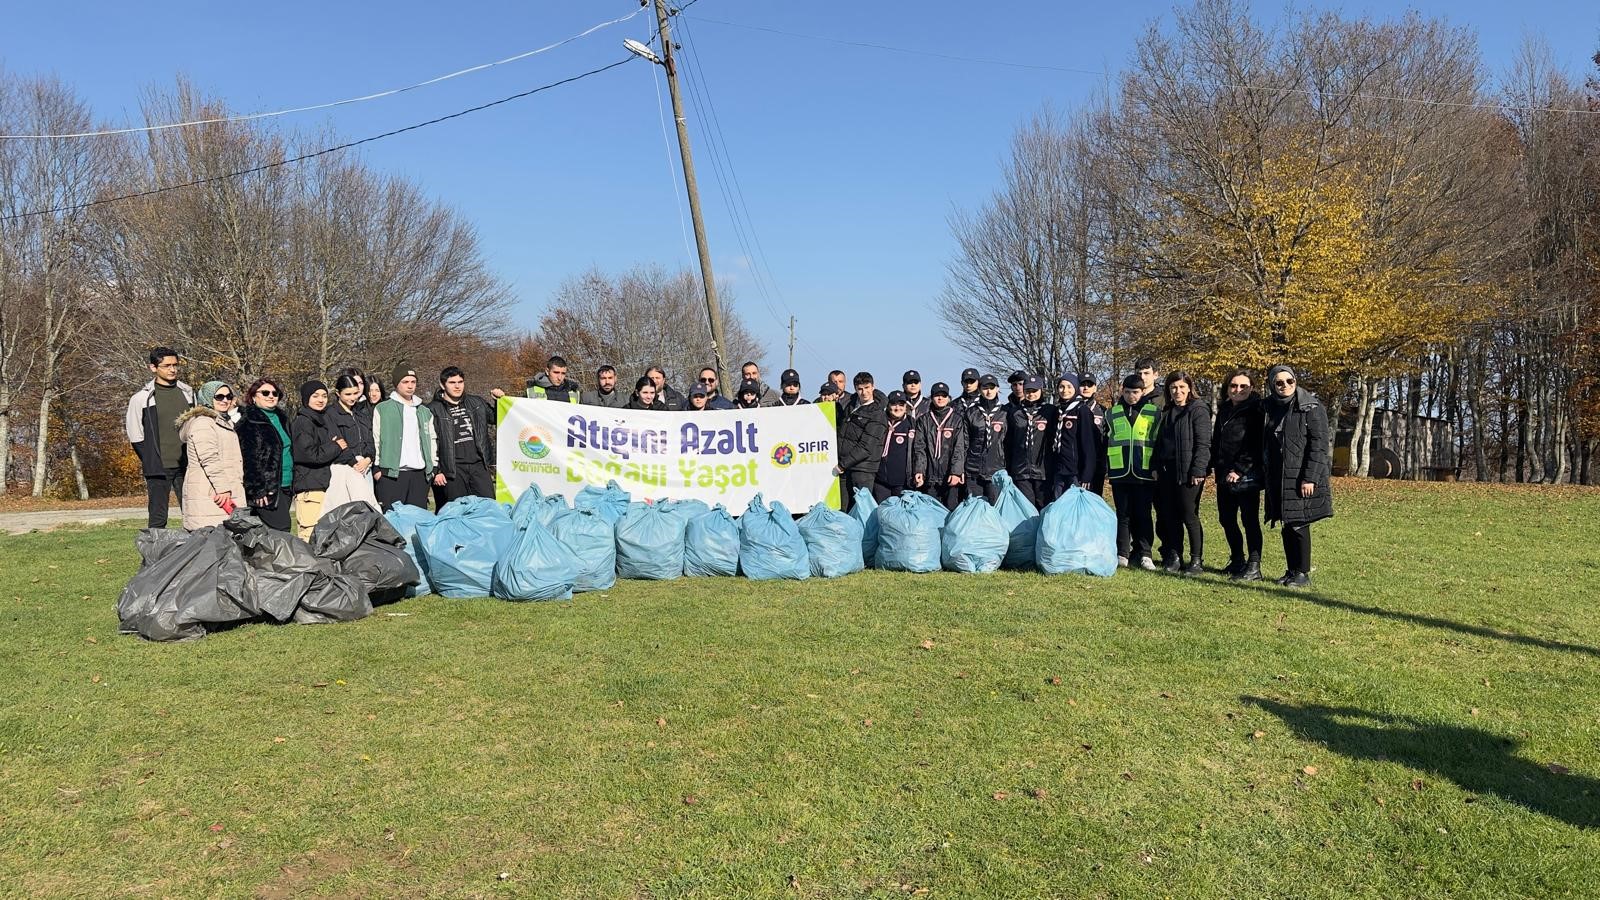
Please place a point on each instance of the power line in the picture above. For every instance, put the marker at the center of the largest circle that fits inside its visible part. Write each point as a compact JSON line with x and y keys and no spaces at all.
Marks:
{"x":246,"y":117}
{"x":316,"y":153}
{"x":1342,"y":95}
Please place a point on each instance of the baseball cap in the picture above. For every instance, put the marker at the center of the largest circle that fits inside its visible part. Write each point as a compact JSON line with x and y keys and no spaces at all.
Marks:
{"x":940,"y":389}
{"x":896,"y":397}
{"x":749,"y":387}
{"x":1086,"y":380}
{"x":988,"y":381}
{"x":789,"y":377}
{"x":1017,"y":376}
{"x":969,"y":375}
{"x":912,"y":376}
{"x":828,"y":389}
{"x":699,"y":390}
{"x":1033,"y":383}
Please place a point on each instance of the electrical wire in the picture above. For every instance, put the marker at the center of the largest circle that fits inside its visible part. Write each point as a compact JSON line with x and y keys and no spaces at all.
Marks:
{"x":672,"y":176}
{"x":316,"y":153}
{"x":246,"y":117}
{"x":1342,"y":95}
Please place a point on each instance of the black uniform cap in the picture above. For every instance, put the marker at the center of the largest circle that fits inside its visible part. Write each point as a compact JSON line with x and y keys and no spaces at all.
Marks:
{"x":789,"y":377}
{"x":969,"y":375}
{"x":940,"y":389}
{"x":1017,"y":376}
{"x":988,"y":381}
{"x":912,"y":376}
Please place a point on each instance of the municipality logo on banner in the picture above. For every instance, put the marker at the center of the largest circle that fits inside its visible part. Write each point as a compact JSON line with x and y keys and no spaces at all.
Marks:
{"x":717,"y":456}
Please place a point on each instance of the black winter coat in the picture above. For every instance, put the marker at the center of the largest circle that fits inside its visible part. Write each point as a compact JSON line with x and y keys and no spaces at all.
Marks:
{"x":896,"y":467}
{"x":941,"y":445}
{"x":1030,"y":436}
{"x":1078,"y":451}
{"x":1183,"y":443}
{"x":356,"y":429}
{"x":483,"y":437}
{"x":311,"y":436}
{"x":861,"y":433}
{"x":1236,"y":439}
{"x":1297,"y":451}
{"x":262,"y":451}
{"x":985,"y":440}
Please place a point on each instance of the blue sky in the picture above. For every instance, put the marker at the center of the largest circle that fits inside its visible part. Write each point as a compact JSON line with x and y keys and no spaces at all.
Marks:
{"x":849,"y":159}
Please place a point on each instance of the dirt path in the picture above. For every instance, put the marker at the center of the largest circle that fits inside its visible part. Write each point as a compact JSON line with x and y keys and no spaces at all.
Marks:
{"x":45,"y":520}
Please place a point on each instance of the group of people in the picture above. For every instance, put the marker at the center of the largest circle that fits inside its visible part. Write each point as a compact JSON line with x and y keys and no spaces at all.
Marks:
{"x":1156,"y":443}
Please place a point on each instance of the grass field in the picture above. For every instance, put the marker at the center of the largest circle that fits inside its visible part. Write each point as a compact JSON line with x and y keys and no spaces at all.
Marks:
{"x":1424,"y":722}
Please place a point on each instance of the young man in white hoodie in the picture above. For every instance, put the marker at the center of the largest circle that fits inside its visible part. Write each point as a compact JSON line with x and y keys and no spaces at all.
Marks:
{"x":403,"y":440}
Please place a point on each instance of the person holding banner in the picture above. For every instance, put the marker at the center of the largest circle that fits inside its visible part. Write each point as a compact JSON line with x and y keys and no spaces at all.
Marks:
{"x":749,"y":395}
{"x":714,"y":398}
{"x":789,"y":387}
{"x":606,"y":394}
{"x":644,"y":396}
{"x":936,"y":458}
{"x":862,"y":429}
{"x":666,"y":393}
{"x":828,"y":393}
{"x":553,"y":383}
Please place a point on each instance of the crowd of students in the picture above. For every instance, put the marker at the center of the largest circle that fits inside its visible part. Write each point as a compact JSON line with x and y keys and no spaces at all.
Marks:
{"x":1155,"y":442}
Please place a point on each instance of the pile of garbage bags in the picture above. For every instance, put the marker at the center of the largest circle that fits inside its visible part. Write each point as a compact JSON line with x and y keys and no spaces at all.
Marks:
{"x":240,"y":571}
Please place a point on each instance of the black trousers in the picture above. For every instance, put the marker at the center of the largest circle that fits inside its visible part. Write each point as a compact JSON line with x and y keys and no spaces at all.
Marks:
{"x":158,"y":490}
{"x":472,"y":479}
{"x":882,"y":491}
{"x":1135,"y":533}
{"x":1037,"y":490}
{"x":978,"y":486}
{"x":275,"y":515}
{"x":950,"y":495}
{"x":1178,"y":513}
{"x":1297,"y":547}
{"x":1233,"y":509}
{"x":849,"y":481}
{"x":410,"y":488}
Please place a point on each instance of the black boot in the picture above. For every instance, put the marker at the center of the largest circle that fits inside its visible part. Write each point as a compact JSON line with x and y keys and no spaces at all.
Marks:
{"x":1235,"y":566}
{"x":1298,"y":580}
{"x":1195,"y":567}
{"x":1171,"y":564}
{"x":1249,"y":571}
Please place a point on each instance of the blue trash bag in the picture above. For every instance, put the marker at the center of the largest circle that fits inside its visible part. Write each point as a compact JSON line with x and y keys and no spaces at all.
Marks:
{"x":864,"y":510}
{"x":611,"y":502}
{"x":649,"y":543}
{"x":462,"y":544}
{"x":1021,"y":519}
{"x":405,"y":518}
{"x":687,"y":510}
{"x":975,"y":540}
{"x":908,"y":533}
{"x":1078,"y":533}
{"x":536,"y":506}
{"x":770,"y":545}
{"x":833,"y":541}
{"x":535,"y":567}
{"x":711,"y":544}
{"x":593,"y":542}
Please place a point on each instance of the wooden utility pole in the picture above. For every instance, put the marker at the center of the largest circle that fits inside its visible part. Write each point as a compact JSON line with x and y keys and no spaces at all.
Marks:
{"x":791,"y":342}
{"x":713,"y":307}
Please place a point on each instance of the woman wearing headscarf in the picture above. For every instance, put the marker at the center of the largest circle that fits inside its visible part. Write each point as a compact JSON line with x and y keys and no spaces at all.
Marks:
{"x":1183,"y":459}
{"x":1236,"y":458}
{"x":316,"y":446}
{"x":215,"y":478}
{"x":268,"y":454}
{"x":1295,"y":443}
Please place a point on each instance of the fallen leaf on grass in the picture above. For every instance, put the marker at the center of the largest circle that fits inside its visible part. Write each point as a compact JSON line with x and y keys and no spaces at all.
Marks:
{"x":1166,"y":696}
{"x":1055,"y":679}
{"x":866,"y":723}
{"x":661,"y":722}
{"x":1310,"y":770}
{"x":794,"y":882}
{"x":1127,"y":776}
{"x":338,"y":681}
{"x":1000,"y":795}
{"x":1474,"y":710}
{"x":1417,"y":784}
{"x":690,"y":799}
{"x":94,"y":679}
{"x":216,"y":826}
{"x":1557,"y":769}
{"x":278,"y":740}
{"x":1038,"y":793}
{"x":1258,"y":735}
{"x":926,"y":645}
{"x":93,"y":640}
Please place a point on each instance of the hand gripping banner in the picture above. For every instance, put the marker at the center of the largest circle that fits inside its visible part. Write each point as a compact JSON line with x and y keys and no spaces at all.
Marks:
{"x":786,"y":453}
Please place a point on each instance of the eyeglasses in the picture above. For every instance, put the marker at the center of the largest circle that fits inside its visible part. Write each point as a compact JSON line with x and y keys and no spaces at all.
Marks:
{"x":1240,"y":387}
{"x":1283,"y":382}
{"x":222,"y":396}
{"x":266,"y":392}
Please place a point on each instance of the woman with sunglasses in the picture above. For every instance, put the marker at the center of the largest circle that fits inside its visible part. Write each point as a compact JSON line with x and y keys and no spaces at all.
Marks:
{"x":1236,"y":458}
{"x":215,"y":479}
{"x":1295,"y":441}
{"x":268,"y":454}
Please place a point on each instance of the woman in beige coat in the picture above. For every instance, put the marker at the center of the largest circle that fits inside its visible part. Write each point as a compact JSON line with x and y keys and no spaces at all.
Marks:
{"x":214,"y":482}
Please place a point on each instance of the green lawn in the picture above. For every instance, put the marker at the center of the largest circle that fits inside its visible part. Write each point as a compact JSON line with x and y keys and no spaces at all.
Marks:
{"x":1424,"y":722}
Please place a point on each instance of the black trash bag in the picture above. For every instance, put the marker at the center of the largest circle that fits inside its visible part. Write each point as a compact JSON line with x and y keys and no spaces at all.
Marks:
{"x":363,"y":543}
{"x":288,"y":581}
{"x":185,"y":582}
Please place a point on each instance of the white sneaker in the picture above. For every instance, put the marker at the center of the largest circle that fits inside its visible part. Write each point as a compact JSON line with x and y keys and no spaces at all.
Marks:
{"x":1122,"y":562}
{"x":1148,"y":564}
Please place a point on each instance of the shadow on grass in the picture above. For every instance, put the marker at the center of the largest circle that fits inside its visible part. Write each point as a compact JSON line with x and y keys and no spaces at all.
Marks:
{"x":1477,"y":761}
{"x":1417,"y":619}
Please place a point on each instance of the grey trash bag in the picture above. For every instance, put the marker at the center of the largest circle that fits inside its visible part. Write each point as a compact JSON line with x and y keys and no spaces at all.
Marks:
{"x":184,"y":583}
{"x":288,"y":581}
{"x":363,"y":543}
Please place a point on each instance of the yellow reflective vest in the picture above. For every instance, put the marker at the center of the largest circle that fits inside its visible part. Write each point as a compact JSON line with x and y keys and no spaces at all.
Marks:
{"x":1131,"y":441}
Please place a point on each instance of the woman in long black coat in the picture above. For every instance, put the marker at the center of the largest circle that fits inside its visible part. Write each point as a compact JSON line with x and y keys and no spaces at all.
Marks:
{"x":268,"y":455}
{"x":1298,"y":469}
{"x":1236,"y":459}
{"x":1183,"y":460}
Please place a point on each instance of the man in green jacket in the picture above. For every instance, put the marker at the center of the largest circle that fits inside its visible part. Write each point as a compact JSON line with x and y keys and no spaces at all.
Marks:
{"x":1131,"y":428}
{"x":404,"y":445}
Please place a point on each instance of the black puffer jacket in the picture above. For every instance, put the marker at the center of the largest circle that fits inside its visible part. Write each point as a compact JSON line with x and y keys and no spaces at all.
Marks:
{"x":262,"y":450}
{"x":1236,"y":439}
{"x":311,"y":436}
{"x":985,"y":443}
{"x":1183,"y":443}
{"x":1030,"y":435}
{"x":941,"y":445}
{"x":1297,"y":451}
{"x":861,"y":433}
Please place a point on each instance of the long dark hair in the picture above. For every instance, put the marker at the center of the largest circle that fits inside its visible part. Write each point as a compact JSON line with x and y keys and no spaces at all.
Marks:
{"x":1174,"y":378}
{"x":1222,"y":393}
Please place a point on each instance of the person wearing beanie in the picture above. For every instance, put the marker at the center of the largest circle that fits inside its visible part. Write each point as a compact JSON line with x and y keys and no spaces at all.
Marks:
{"x":1131,"y":427}
{"x":984,"y":426}
{"x":464,"y":428}
{"x":862,"y":427}
{"x":1030,"y":434}
{"x":214,"y":481}
{"x":789,"y":389}
{"x":1015,"y":381}
{"x":1183,"y":460}
{"x":405,"y":448}
{"x":1075,"y":453}
{"x":316,"y":445}
{"x":1298,"y":469}
{"x":896,"y":471}
{"x":941,"y":444}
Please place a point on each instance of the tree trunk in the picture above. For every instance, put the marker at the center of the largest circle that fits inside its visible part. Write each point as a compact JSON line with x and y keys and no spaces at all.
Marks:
{"x":41,"y":447}
{"x":1361,"y":434}
{"x":5,"y":439}
{"x":77,"y":472}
